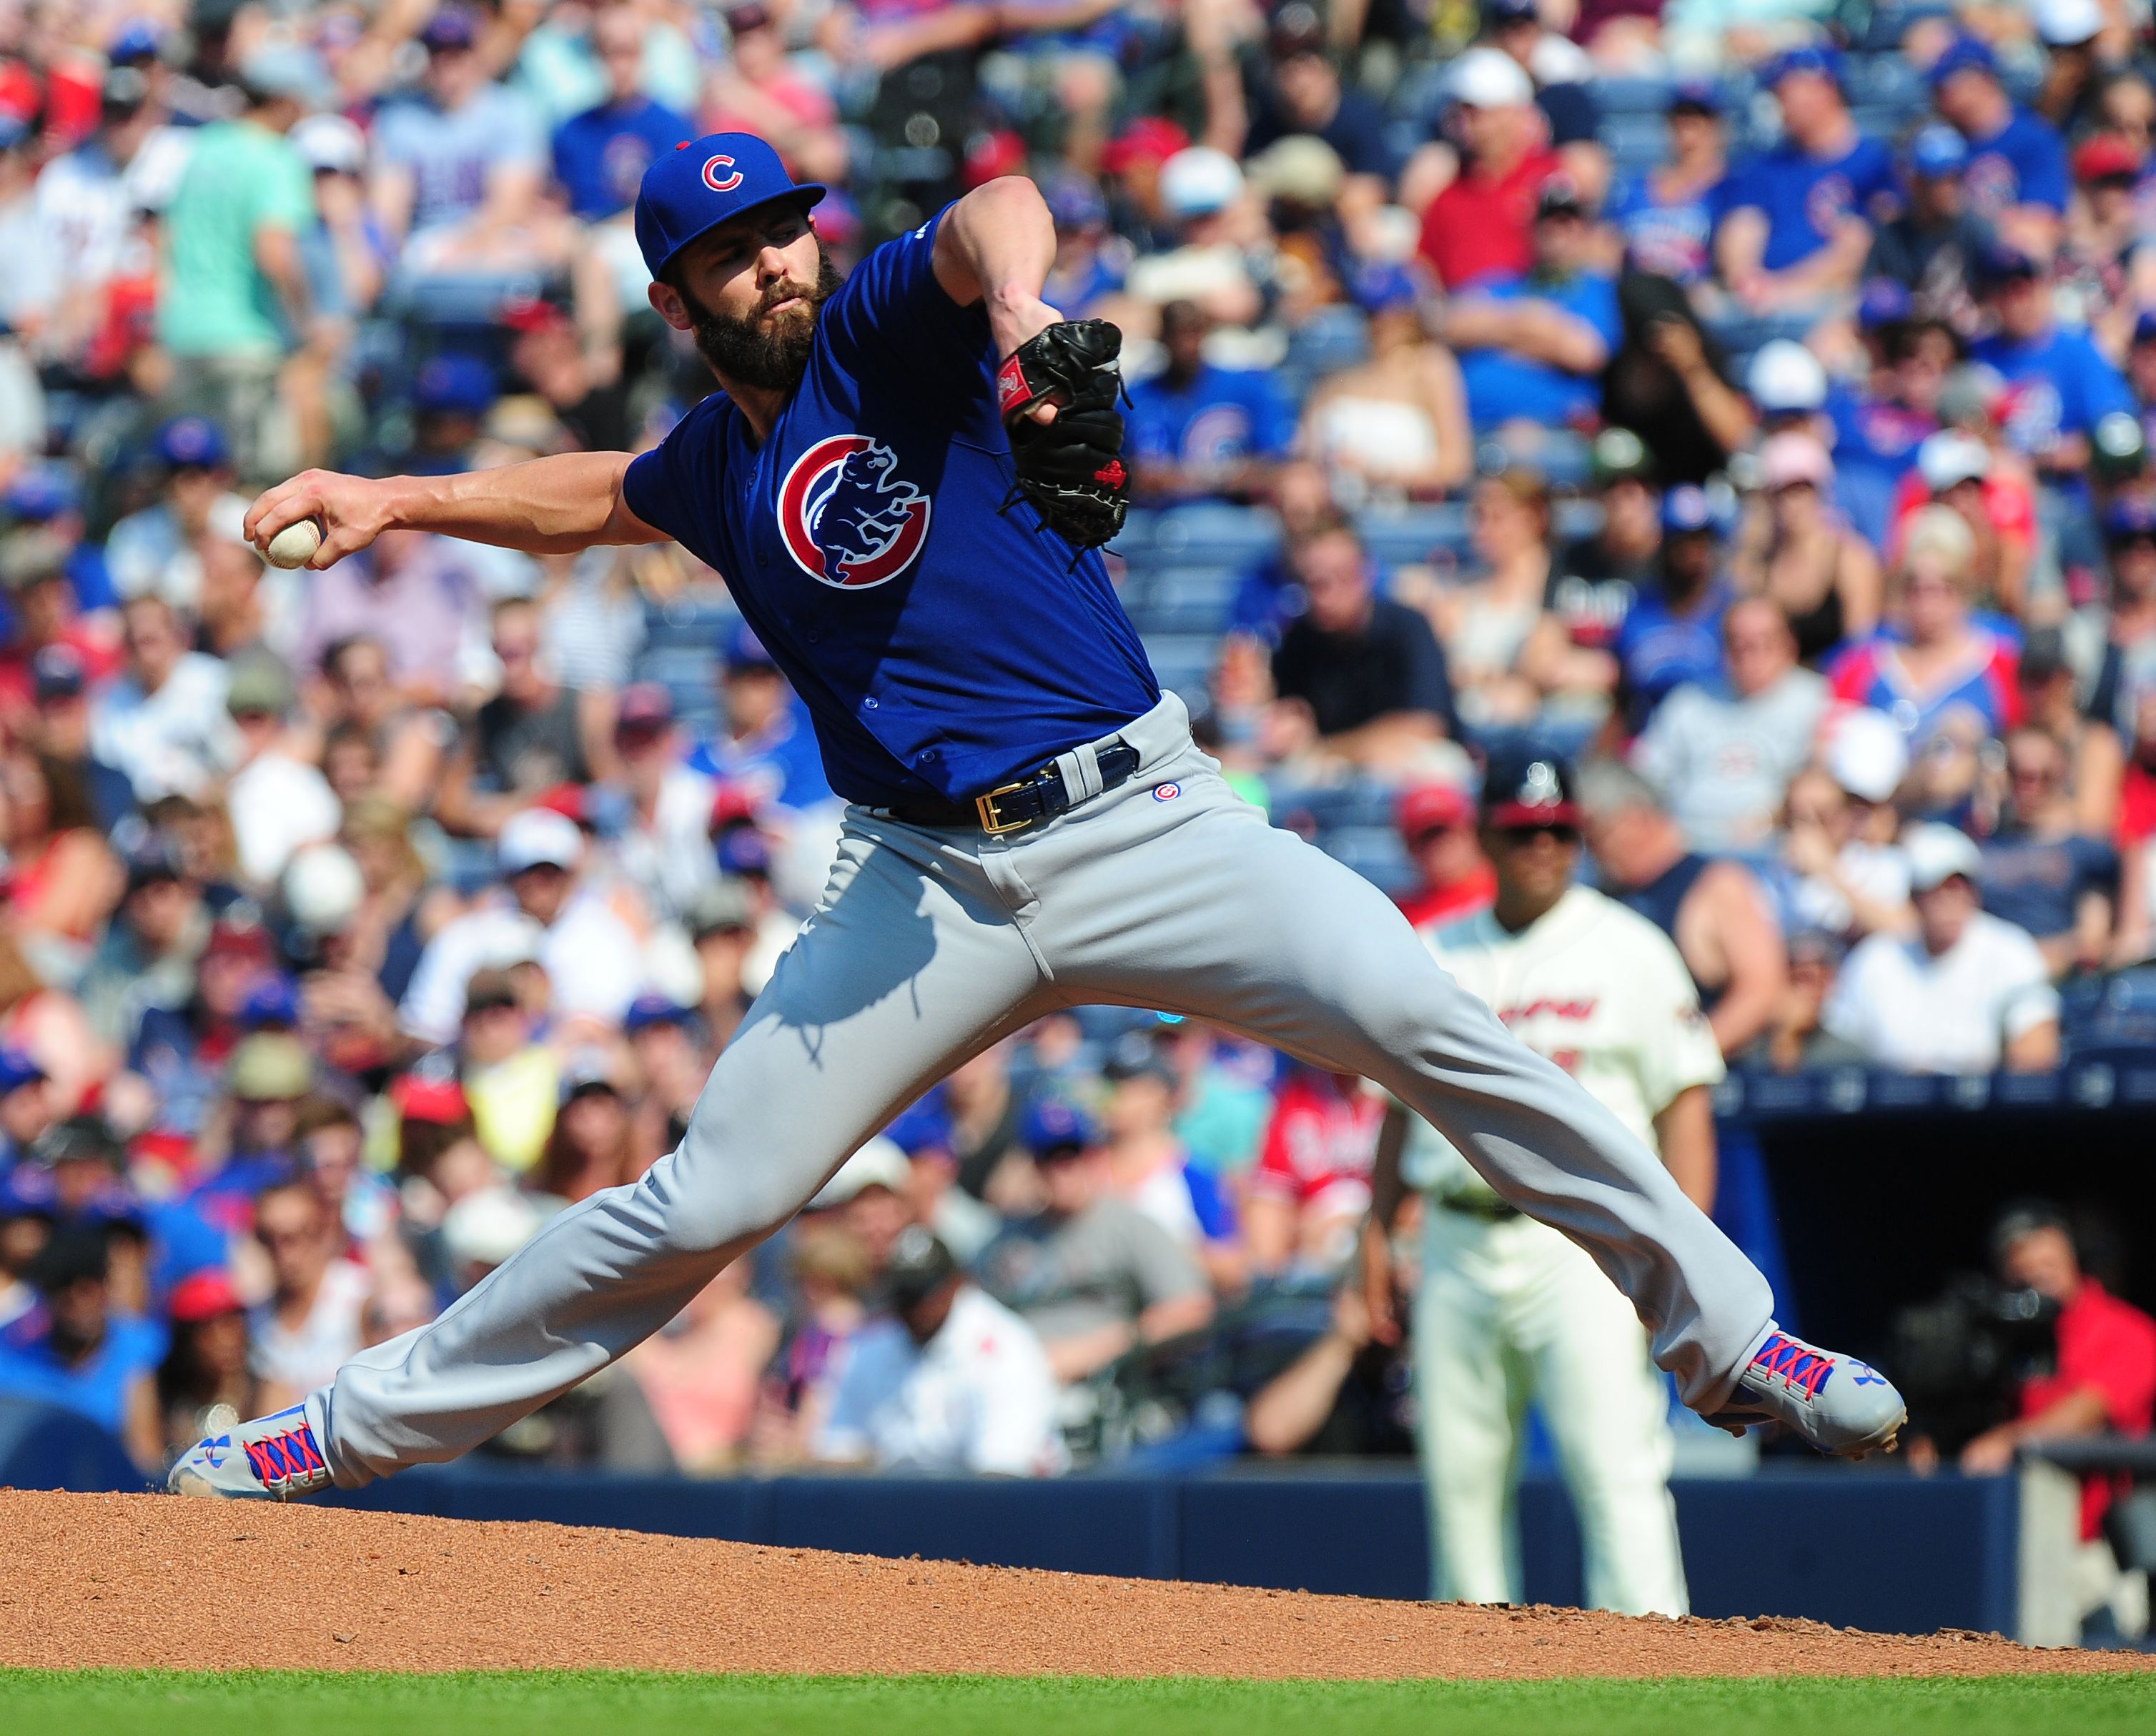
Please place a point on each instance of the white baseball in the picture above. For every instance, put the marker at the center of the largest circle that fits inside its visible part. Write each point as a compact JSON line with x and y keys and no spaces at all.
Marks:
{"x":295,"y":545}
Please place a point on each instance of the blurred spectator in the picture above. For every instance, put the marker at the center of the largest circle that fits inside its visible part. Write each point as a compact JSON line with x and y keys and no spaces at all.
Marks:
{"x":414,"y":595}
{"x":1360,"y":678}
{"x":531,"y":737}
{"x":1595,"y":578}
{"x":1305,"y":95}
{"x":1436,"y":823}
{"x":592,"y":1145}
{"x":1666,"y":214}
{"x":1396,"y":424}
{"x":2016,"y":177}
{"x":1311,"y":1189}
{"x":1198,"y":430}
{"x":758,"y":89}
{"x":1799,"y":219}
{"x":591,"y":959}
{"x":205,"y":1385}
{"x":278,"y":801}
{"x":1716,"y":911}
{"x":1929,"y":247}
{"x":1532,"y":343}
{"x":308,"y":1324}
{"x":1093,"y":1276}
{"x":1840,"y":823}
{"x":1217,"y":232}
{"x":89,"y":199}
{"x":1672,"y":635}
{"x":162,"y":723}
{"x":1345,"y":1395}
{"x":1498,"y":651}
{"x":76,"y":1350}
{"x":765,"y":747}
{"x":2040,"y":873}
{"x":957,"y":1382}
{"x":1967,"y":993}
{"x":1152,"y":1169}
{"x":1722,"y":761}
{"x":154,"y":550}
{"x":235,"y":295}
{"x":459,"y":162}
{"x":665,"y":849}
{"x":1803,"y":555}
{"x":2088,"y":741}
{"x":702,"y":1371}
{"x":1481,"y":224}
{"x":2063,"y":386}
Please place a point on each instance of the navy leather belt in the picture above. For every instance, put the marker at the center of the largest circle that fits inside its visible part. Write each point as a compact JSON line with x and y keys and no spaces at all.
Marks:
{"x":1039,"y":795}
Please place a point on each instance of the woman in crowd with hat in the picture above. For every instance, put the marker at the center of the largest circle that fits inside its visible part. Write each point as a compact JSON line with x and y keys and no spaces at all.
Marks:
{"x":1802,"y":555}
{"x":205,"y":1384}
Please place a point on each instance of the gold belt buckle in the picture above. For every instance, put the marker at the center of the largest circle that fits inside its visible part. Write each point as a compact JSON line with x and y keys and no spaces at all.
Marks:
{"x":992,"y":819}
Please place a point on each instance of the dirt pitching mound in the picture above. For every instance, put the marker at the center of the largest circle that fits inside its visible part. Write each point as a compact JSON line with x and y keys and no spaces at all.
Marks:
{"x":147,"y":1580}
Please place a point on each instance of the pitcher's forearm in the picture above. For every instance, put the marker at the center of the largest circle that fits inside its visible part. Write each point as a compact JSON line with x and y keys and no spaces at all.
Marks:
{"x":544,"y":506}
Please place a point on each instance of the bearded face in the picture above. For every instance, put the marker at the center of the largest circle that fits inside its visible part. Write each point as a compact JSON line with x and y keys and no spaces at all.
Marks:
{"x":769,"y":346}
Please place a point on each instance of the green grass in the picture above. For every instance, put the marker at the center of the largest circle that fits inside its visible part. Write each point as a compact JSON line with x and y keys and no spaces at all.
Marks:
{"x":296,"y":1703}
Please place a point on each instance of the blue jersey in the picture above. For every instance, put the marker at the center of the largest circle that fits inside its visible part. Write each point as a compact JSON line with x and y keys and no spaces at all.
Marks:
{"x":97,"y":1388}
{"x":1668,"y":238}
{"x":2023,"y":163}
{"x":600,"y":155}
{"x":1216,"y":419}
{"x":940,"y":644}
{"x":779,"y":763}
{"x":1660,"y":650}
{"x":1504,"y":387}
{"x":1804,"y":199}
{"x":2061,"y":384}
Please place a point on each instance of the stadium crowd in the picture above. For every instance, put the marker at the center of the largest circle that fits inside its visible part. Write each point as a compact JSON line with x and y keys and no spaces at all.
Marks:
{"x":1750,"y":399}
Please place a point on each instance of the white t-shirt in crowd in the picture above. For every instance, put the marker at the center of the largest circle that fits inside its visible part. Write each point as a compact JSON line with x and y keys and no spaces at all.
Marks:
{"x":591,"y":958}
{"x":1954,"y":1013}
{"x":1593,"y":986}
{"x":978,"y":1396}
{"x":303,"y":1357}
{"x":277,"y":804}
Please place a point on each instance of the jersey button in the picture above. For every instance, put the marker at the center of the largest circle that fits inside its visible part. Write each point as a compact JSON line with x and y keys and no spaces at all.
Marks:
{"x":869,"y":704}
{"x":814,"y":635}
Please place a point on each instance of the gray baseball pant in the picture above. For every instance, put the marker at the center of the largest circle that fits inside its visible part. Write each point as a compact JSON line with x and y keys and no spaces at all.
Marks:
{"x":1169,"y":892}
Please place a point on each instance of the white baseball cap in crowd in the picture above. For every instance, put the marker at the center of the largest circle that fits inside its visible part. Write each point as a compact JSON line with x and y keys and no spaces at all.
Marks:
{"x":330,"y":142}
{"x":1199,"y":181}
{"x":2067,"y":23}
{"x":1867,"y":754}
{"x":878,"y":1163}
{"x":1785,"y":377}
{"x":322,"y":888}
{"x":539,"y":837}
{"x":1489,"y":78}
{"x":1936,"y":853}
{"x":485,"y":1228}
{"x":1950,"y":458}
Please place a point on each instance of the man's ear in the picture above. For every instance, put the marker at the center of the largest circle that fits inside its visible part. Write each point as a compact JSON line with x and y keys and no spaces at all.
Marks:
{"x":666,"y":302}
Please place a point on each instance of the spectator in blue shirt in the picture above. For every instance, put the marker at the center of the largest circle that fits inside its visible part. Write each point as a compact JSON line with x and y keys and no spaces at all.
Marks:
{"x":1196,"y":429}
{"x":600,"y":155}
{"x":1531,"y":348}
{"x":1305,"y":95}
{"x":2061,"y":386}
{"x":1667,"y":215}
{"x":766,"y":745}
{"x":1798,"y":220}
{"x":76,"y":1350}
{"x":2017,"y":178}
{"x":1672,"y":635}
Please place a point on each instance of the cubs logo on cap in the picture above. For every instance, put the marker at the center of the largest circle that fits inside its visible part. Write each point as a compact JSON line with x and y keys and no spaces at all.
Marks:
{"x":702,"y":182}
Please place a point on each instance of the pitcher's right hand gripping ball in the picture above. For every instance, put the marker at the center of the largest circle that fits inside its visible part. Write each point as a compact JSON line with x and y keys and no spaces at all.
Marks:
{"x":1071,"y":468}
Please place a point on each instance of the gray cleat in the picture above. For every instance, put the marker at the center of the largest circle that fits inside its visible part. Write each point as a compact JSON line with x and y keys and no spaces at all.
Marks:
{"x":1835,"y":1404}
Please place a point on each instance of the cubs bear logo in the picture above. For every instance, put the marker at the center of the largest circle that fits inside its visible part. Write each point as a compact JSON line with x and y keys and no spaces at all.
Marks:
{"x":720,"y":183}
{"x":849,"y":518}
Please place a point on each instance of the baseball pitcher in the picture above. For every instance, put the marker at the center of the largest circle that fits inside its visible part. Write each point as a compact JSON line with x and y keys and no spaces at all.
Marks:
{"x":904,"y":480}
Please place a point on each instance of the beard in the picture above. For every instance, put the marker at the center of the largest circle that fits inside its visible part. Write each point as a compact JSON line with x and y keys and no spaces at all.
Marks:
{"x":760,"y":351}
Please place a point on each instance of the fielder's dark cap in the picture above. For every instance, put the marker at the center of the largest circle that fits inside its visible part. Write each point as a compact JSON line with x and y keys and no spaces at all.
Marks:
{"x":919,"y":1266}
{"x":701,"y":183}
{"x":1530,"y":788}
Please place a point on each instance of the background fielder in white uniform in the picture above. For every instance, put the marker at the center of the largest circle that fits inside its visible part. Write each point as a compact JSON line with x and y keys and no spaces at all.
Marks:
{"x":1509,"y":1310}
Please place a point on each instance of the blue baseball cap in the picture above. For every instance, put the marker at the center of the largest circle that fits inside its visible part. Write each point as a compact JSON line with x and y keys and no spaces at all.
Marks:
{"x":2129,"y":519}
{"x":1886,"y":301}
{"x":192,"y":442}
{"x":1053,"y":1125}
{"x":17,"y":1068}
{"x":701,"y":183}
{"x":646,"y":1010}
{"x":745,"y":651}
{"x":1686,"y":509}
{"x":1701,"y":96}
{"x":40,"y":492}
{"x":1821,"y":58}
{"x":1939,"y":150}
{"x":13,"y":129}
{"x":456,"y":385}
{"x":1964,"y":53}
{"x":273,"y":1003}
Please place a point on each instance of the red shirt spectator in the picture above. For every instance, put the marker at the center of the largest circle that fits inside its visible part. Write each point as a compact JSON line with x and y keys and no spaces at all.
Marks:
{"x":1455,"y":880}
{"x":1483,"y":224}
{"x":2108,"y":1346}
{"x":1321,"y":1144}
